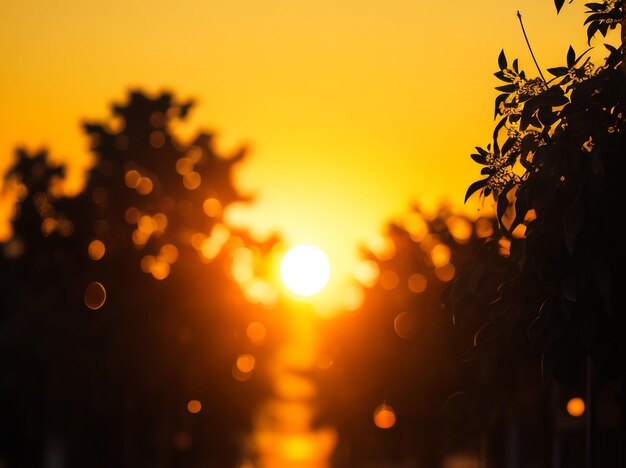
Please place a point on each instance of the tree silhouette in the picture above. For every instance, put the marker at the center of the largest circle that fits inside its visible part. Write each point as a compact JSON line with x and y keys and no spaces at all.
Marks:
{"x":400,"y":347}
{"x":144,"y":246}
{"x":554,"y":169}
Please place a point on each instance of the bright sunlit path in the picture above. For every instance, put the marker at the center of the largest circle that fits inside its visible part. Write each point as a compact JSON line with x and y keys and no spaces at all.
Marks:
{"x":305,"y":270}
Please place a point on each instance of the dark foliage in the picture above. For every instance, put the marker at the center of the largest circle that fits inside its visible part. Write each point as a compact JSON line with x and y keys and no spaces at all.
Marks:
{"x":554,"y":169}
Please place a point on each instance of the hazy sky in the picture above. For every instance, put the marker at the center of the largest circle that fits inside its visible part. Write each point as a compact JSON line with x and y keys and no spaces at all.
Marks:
{"x":353,"y":109}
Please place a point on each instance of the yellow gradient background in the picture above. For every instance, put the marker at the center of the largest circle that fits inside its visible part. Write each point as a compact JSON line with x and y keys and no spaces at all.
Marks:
{"x":353,"y":109}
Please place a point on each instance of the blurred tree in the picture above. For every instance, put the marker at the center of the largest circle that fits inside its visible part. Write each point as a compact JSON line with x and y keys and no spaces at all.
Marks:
{"x":399,"y":348}
{"x":119,"y":305}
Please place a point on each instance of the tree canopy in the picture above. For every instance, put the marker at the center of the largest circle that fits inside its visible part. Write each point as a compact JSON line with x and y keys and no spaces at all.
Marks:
{"x":117,"y":304}
{"x":554,"y":169}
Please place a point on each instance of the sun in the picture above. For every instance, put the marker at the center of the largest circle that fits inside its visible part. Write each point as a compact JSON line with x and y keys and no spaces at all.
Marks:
{"x":305,"y":270}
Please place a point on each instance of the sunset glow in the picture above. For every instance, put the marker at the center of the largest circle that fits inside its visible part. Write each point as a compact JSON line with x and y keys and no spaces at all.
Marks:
{"x":305,"y":270}
{"x":312,"y":234}
{"x":312,"y":87}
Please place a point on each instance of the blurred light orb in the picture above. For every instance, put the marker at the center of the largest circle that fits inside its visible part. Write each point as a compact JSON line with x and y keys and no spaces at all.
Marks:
{"x":194,"y":406}
{"x":95,"y":295}
{"x":384,"y":417}
{"x":182,"y":440}
{"x":96,"y":249}
{"x":246,"y":363}
{"x":405,"y":324}
{"x":305,"y":270}
{"x":576,"y":407}
{"x":417,"y":283}
{"x":256,"y":332}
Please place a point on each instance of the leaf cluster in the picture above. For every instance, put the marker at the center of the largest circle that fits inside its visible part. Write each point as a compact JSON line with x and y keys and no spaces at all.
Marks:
{"x":603,"y":16}
{"x":555,"y":170}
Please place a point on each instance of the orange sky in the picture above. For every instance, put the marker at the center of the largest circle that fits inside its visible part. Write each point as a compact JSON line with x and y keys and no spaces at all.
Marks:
{"x":353,"y":109}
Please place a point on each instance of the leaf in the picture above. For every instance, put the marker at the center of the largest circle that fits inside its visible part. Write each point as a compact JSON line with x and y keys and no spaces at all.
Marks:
{"x":184,"y":109}
{"x":502,"y":205}
{"x":510,"y":88}
{"x":594,"y":7}
{"x":571,"y":57}
{"x":479,"y":158}
{"x":574,"y":218}
{"x":482,"y":151}
{"x":547,"y":116}
{"x":596,"y":17}
{"x":558,"y":71}
{"x":581,"y":56}
{"x":502,"y":63}
{"x":558,"y":4}
{"x":496,"y":131}
{"x":499,"y":100}
{"x":604,"y":27}
{"x":554,"y":97}
{"x":475,"y":187}
{"x":521,"y":207}
{"x":527,"y":114}
{"x":591,"y":30}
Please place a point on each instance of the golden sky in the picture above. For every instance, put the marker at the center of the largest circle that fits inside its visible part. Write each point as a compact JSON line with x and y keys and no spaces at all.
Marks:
{"x":353,"y":109}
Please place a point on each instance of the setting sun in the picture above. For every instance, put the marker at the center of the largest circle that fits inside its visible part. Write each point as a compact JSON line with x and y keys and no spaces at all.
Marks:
{"x":305,"y":270}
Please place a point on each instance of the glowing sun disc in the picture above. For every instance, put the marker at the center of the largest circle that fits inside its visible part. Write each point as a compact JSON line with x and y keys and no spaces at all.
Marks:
{"x":305,"y":270}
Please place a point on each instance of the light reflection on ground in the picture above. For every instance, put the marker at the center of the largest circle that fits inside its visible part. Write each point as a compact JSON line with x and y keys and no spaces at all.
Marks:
{"x":286,"y":434}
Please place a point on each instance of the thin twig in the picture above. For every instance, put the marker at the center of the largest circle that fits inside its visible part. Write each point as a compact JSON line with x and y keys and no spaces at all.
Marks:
{"x":519,"y":17}
{"x":623,"y":67}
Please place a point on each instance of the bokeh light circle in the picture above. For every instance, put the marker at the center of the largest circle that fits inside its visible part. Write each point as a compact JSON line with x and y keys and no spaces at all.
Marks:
{"x":305,"y":270}
{"x":576,"y":407}
{"x":95,"y":295}
{"x":194,"y":406}
{"x":384,"y":417}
